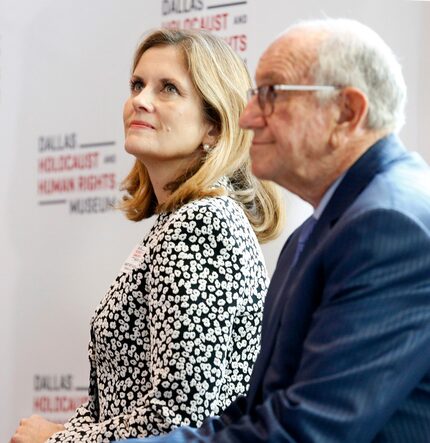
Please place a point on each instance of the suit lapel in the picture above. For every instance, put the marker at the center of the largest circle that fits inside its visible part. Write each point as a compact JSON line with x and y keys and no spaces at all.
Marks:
{"x":272,"y":311}
{"x":355,"y":181}
{"x":278,"y":280}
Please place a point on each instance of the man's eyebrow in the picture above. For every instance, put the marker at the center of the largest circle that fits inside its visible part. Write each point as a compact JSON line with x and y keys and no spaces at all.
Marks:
{"x":267,"y":80}
{"x":271,"y":77}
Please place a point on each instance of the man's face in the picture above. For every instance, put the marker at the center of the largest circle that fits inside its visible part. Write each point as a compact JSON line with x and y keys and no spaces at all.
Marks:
{"x":290,"y":146}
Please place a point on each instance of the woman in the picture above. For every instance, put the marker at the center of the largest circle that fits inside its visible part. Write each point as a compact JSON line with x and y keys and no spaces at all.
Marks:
{"x":176,"y":336}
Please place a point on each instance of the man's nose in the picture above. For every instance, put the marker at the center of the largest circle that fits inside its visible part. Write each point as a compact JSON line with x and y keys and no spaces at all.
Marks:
{"x":251,"y":116}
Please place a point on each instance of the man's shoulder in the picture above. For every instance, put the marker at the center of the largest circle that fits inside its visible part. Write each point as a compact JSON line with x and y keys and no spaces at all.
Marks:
{"x":402,"y":187}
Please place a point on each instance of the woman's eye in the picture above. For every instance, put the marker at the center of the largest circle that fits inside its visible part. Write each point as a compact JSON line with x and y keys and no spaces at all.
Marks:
{"x":136,"y":86}
{"x":170,"y":88}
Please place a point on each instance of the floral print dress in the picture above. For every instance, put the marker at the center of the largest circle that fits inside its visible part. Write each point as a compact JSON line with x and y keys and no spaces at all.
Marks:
{"x":175,"y":338}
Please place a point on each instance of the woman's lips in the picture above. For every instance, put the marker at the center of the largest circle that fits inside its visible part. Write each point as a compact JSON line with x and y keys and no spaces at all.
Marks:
{"x":141,"y":124}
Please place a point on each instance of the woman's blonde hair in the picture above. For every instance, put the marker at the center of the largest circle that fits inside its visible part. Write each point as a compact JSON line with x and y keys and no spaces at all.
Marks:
{"x":221,"y":79}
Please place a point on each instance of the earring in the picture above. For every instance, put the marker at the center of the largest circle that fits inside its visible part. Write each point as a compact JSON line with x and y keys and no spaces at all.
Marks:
{"x":206,"y":147}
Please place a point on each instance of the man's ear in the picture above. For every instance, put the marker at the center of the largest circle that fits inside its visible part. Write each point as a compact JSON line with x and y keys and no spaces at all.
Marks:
{"x":352,"y":107}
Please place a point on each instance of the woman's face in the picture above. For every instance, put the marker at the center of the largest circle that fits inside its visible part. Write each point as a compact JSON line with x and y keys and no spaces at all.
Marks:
{"x":163,"y":117}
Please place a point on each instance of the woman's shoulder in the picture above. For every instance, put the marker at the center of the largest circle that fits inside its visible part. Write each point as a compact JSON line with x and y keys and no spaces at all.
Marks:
{"x":207,"y":215}
{"x":210,"y":224}
{"x":219,"y":207}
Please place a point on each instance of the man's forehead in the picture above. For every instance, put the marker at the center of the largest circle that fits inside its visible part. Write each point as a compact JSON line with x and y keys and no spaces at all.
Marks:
{"x":276,"y":65}
{"x":287,"y":59}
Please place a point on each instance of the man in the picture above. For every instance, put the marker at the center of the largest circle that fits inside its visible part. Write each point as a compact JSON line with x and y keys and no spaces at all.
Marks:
{"x":345,"y":351}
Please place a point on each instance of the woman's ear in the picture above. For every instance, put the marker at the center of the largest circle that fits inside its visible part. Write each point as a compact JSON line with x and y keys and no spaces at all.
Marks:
{"x":211,"y":136}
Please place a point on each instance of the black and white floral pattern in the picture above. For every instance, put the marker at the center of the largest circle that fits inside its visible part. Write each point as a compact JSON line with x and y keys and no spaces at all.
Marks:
{"x":176,"y":336}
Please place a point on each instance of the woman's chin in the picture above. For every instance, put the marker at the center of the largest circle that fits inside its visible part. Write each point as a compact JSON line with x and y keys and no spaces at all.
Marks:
{"x":133,"y":148}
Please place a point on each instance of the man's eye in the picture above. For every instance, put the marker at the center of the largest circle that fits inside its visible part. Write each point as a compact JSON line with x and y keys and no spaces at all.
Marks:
{"x":136,"y":86}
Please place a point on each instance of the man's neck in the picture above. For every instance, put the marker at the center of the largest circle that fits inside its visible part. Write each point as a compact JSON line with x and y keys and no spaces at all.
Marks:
{"x":348,"y":156}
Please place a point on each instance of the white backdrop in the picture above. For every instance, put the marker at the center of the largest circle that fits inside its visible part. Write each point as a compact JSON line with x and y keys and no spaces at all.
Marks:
{"x":64,"y":69}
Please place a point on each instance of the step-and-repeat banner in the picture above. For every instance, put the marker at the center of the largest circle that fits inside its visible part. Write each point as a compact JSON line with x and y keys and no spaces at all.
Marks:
{"x":64,"y":71}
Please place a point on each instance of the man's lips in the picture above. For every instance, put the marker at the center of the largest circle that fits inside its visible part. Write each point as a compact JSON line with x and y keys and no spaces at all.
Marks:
{"x":261,"y":142}
{"x":141,"y":124}
{"x":258,"y":146}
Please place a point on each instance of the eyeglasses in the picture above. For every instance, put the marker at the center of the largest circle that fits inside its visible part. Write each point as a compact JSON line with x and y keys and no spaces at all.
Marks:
{"x":266,"y":94}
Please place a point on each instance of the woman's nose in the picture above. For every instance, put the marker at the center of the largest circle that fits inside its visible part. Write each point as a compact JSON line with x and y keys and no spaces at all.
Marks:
{"x":144,"y":100}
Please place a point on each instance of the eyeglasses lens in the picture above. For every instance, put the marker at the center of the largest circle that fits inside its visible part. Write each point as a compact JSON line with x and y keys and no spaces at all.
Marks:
{"x":266,"y":95}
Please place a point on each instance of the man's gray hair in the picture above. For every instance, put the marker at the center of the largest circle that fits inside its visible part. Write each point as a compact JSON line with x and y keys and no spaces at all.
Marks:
{"x":354,"y":55}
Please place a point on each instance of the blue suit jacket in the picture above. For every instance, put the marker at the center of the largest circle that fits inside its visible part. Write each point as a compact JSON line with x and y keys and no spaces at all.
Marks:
{"x":345,"y":351}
